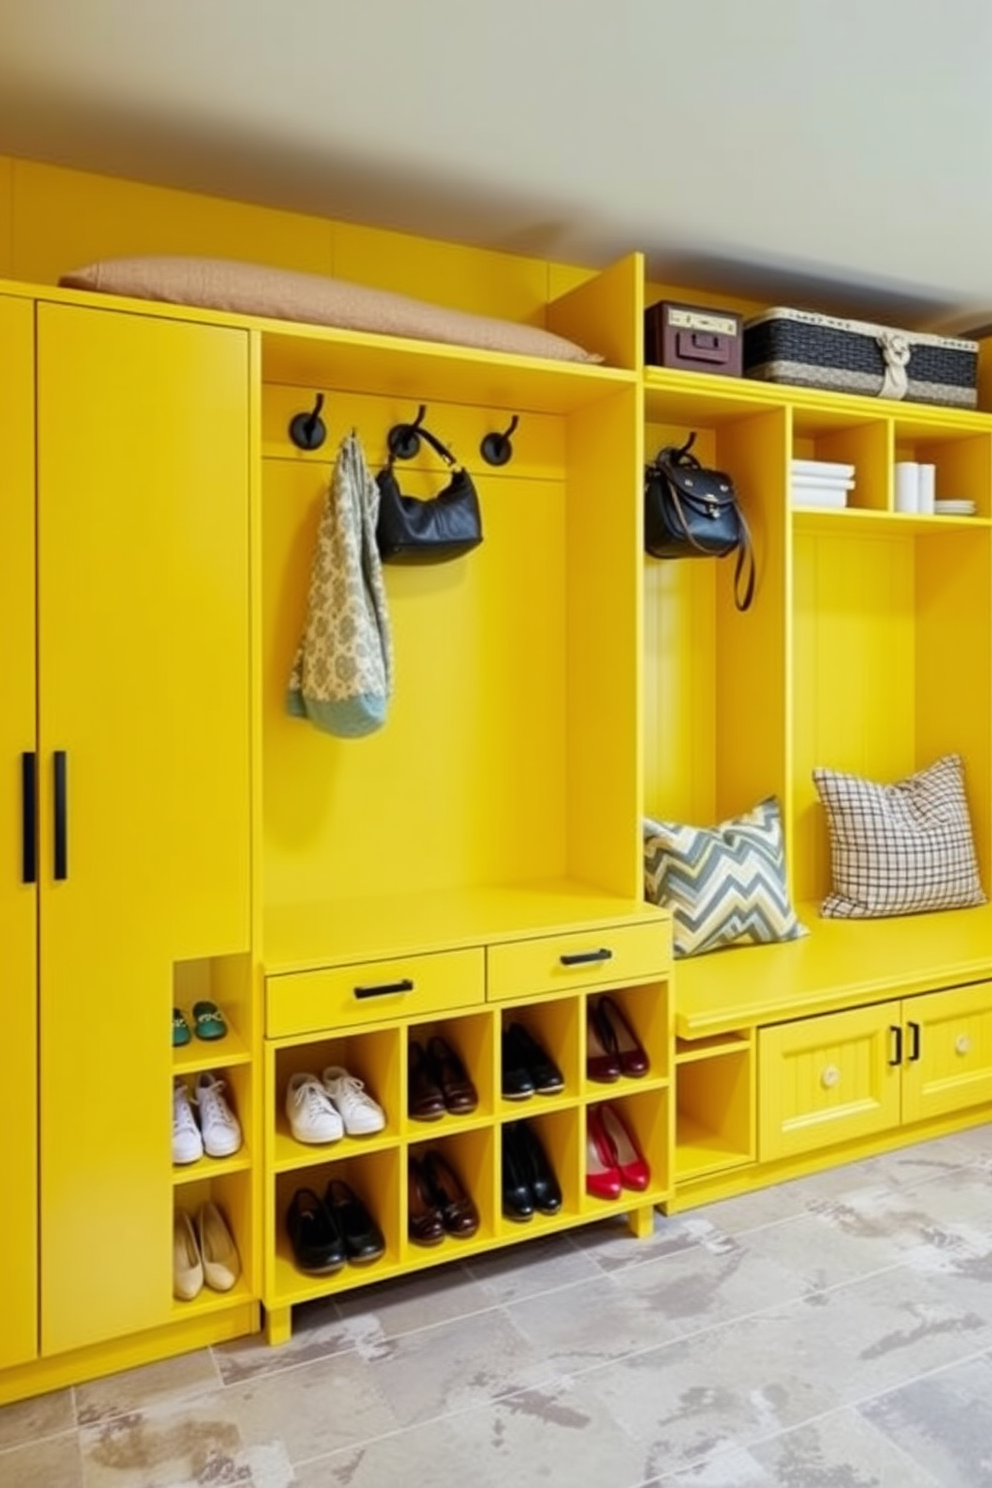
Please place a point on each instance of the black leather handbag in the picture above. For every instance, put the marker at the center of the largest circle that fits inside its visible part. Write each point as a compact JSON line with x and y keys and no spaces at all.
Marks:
{"x":691,"y":512}
{"x":446,"y":526}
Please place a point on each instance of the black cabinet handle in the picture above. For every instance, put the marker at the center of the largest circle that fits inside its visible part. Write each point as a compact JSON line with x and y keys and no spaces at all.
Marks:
{"x":29,"y":818}
{"x":896,"y":1031}
{"x":582,"y":957}
{"x":914,"y":1042}
{"x":385,"y":989}
{"x":61,"y":810}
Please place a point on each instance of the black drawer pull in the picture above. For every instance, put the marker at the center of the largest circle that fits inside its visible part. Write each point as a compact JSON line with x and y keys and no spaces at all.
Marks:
{"x":896,"y":1032}
{"x":582,"y":957}
{"x":61,"y":810}
{"x":29,"y":825}
{"x":387,"y":987}
{"x":914,"y":1042}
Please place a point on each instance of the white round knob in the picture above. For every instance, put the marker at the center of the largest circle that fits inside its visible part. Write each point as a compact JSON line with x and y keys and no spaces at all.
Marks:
{"x":830,"y":1077}
{"x":962,"y":1044}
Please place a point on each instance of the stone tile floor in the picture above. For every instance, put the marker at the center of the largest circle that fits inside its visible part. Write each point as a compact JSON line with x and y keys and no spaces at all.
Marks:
{"x":833,"y":1332}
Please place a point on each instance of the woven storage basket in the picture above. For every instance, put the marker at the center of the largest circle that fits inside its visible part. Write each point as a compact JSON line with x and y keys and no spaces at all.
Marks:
{"x":856,"y":356}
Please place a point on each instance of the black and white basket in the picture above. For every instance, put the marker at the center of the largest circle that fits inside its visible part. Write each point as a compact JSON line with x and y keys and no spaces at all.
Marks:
{"x":855,"y":356}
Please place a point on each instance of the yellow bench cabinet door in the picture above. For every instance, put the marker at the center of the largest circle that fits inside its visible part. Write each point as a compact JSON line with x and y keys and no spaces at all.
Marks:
{"x":131,"y":414}
{"x":18,"y":898}
{"x":948,"y":1051}
{"x":826,"y":1080}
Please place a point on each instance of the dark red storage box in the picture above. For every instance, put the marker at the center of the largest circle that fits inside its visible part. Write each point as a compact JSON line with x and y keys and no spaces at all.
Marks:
{"x":694,"y":338}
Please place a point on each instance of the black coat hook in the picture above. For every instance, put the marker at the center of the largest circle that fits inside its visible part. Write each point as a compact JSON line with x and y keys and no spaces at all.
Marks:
{"x":496,"y":449}
{"x":404,"y":440}
{"x":307,"y":430}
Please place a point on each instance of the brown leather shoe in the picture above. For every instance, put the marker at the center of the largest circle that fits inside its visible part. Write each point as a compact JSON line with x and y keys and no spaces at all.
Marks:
{"x":459,"y":1215}
{"x":425,"y":1225}
{"x":425,"y":1100}
{"x":460,"y":1095}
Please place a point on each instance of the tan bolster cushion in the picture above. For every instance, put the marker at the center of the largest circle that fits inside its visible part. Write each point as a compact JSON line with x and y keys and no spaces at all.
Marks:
{"x":283,"y":294}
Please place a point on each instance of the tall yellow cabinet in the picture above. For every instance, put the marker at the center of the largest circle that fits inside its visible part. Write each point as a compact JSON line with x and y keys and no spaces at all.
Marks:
{"x":125,"y":560}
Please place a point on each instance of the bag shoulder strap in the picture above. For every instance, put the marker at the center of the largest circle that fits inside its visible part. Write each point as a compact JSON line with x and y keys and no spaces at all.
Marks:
{"x":435,"y":444}
{"x":744,"y":567}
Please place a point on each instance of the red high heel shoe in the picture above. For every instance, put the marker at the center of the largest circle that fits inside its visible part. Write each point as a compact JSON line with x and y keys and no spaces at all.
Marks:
{"x":602,"y":1167}
{"x":631,"y":1162}
{"x":630,"y":1051}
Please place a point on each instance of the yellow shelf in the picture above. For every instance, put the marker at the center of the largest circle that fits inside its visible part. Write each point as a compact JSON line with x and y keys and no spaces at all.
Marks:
{"x":211,"y":1167}
{"x":209,"y":1054}
{"x":699,"y":1151}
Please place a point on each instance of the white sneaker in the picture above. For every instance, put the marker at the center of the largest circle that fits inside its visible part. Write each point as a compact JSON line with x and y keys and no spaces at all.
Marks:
{"x":218,"y":1123}
{"x":187,"y":1144}
{"x":187,"y":1267}
{"x":359,"y":1112}
{"x":312,"y":1117}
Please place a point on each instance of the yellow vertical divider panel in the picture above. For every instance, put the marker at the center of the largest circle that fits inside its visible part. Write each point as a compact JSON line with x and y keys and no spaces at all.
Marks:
{"x":605,"y":314}
{"x":18,"y":882}
{"x":752,"y":681}
{"x":603,"y":535}
{"x":128,"y":416}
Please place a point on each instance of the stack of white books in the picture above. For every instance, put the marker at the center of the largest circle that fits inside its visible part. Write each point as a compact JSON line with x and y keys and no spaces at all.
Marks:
{"x":820,"y":483}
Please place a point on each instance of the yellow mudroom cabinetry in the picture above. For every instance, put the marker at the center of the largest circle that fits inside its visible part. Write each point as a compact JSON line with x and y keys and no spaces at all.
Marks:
{"x":127,"y":817}
{"x":855,"y":1073}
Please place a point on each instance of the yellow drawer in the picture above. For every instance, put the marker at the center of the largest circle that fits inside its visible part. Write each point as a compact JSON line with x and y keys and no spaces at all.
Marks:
{"x":590,"y":958}
{"x":307,"y":1001}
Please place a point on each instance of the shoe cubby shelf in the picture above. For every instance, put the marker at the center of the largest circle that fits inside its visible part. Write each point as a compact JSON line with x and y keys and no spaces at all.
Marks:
{"x":488,"y":1047}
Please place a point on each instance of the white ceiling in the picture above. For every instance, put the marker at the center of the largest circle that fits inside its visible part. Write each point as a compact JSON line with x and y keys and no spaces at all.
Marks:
{"x":835,"y":153}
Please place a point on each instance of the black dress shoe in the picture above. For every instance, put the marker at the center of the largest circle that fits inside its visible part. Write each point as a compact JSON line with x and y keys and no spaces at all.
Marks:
{"x":363,"y":1239}
{"x":544,"y":1184}
{"x":318,"y":1244}
{"x":452,"y":1078}
{"x":518,"y":1199}
{"x":425,"y":1098}
{"x":455,"y":1205}
{"x":546,"y":1077}
{"x":517,"y":1082}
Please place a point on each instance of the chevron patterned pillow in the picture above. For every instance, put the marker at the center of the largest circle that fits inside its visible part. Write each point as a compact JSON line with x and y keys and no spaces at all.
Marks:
{"x":724,"y":885}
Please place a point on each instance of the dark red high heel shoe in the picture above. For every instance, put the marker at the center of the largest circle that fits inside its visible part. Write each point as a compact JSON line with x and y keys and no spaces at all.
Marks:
{"x":631,"y":1162}
{"x":602,"y":1054}
{"x":630,"y":1051}
{"x":602,"y":1165}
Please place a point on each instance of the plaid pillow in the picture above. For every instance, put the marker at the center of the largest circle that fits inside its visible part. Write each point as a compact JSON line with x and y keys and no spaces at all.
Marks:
{"x":899,"y":849}
{"x":723,"y":885}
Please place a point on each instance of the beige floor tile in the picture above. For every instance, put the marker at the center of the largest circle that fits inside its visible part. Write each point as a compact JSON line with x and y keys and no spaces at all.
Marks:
{"x":590,"y":1323}
{"x":944,"y":1422}
{"x":54,"y":1462}
{"x":319,"y":1331}
{"x":187,"y":1446}
{"x":31,"y":1420}
{"x":454,"y":1366}
{"x":315,"y":1409}
{"x":414,"y":1302}
{"x":535,"y":1266}
{"x":838,"y":1451}
{"x":170,"y":1380}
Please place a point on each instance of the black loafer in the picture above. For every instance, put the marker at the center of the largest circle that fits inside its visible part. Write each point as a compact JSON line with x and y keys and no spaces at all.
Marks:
{"x":363,"y":1239}
{"x":517,"y":1082}
{"x":546,"y":1076}
{"x":318,"y":1244}
{"x":518,"y":1200}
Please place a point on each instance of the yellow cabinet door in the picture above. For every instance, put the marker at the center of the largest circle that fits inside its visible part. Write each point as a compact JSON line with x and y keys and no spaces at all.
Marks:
{"x":143,"y":759}
{"x":18,"y":886}
{"x":948,"y":1051}
{"x":828,"y":1079}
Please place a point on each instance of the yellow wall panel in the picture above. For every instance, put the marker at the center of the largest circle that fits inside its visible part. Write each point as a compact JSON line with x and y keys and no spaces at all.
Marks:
{"x":6,"y":217}
{"x":62,"y":219}
{"x":474,"y":279}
